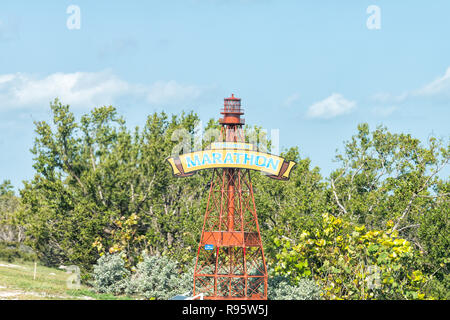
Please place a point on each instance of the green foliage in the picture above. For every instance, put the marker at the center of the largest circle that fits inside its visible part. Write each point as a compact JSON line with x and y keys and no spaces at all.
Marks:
{"x":284,"y":206}
{"x":11,"y":232}
{"x":433,"y":233}
{"x":157,"y":277}
{"x":186,"y":278}
{"x":352,"y":263}
{"x":10,"y":228}
{"x":124,"y":239}
{"x":110,"y":275}
{"x":6,"y":188}
{"x":12,"y":251}
{"x":384,"y":176}
{"x":281,"y":288}
{"x":98,"y":183}
{"x":101,"y":188}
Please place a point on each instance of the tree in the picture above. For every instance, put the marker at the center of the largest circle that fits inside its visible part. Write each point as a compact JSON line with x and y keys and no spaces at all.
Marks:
{"x":6,"y":188}
{"x":95,"y":175}
{"x":10,"y":230}
{"x":102,"y":188}
{"x":350,"y":262}
{"x":283,"y":206}
{"x":433,"y":233}
{"x":385,"y":176}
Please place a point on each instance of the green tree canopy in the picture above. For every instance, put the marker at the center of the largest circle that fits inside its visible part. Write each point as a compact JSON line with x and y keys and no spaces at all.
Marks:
{"x":94,"y":175}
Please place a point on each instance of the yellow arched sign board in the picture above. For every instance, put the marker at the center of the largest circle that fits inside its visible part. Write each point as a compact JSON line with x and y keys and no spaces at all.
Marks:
{"x":239,"y":156}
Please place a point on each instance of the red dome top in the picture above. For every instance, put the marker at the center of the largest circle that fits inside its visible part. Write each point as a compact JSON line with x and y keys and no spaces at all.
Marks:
{"x":232,"y":111}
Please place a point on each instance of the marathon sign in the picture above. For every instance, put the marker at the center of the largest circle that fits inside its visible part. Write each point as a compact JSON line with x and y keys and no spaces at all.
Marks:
{"x":231,"y":155}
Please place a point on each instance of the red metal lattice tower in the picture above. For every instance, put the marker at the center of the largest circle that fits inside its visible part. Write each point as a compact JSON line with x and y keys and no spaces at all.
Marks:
{"x":230,"y":259}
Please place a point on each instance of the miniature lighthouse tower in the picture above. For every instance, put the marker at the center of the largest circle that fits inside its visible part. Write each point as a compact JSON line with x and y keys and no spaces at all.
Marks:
{"x":230,"y":260}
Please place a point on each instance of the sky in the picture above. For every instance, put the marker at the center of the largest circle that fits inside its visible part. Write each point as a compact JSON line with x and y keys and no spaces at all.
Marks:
{"x":313,"y":70}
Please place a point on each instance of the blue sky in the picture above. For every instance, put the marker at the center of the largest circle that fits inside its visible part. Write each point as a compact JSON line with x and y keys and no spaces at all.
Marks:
{"x":313,"y":70}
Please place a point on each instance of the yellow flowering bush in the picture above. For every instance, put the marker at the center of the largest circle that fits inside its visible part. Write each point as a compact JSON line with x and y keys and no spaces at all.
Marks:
{"x":125,"y":240}
{"x":350,"y":262}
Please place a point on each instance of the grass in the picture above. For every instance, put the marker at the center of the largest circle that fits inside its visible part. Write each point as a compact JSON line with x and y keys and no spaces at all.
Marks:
{"x":16,"y":282}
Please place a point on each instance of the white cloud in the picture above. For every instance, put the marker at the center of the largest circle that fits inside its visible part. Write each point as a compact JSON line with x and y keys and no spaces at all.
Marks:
{"x":86,"y":90}
{"x":384,"y":97}
{"x":333,"y":106}
{"x":77,"y":89}
{"x":440,"y":87}
{"x":291,"y":99}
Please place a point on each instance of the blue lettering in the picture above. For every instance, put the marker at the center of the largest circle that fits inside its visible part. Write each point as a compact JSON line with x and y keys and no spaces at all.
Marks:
{"x":191,"y":163}
{"x":238,"y":159}
{"x":247,"y":159}
{"x":217,"y":158}
{"x":262,"y":164}
{"x":228,"y":158}
{"x":273,"y":164}
{"x":206,"y":159}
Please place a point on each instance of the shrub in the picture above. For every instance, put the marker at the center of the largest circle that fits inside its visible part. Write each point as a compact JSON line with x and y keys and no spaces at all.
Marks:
{"x":156,"y":277}
{"x":350,"y":262}
{"x":12,"y":251}
{"x":281,"y":288}
{"x":110,"y":274}
{"x":186,"y":279}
